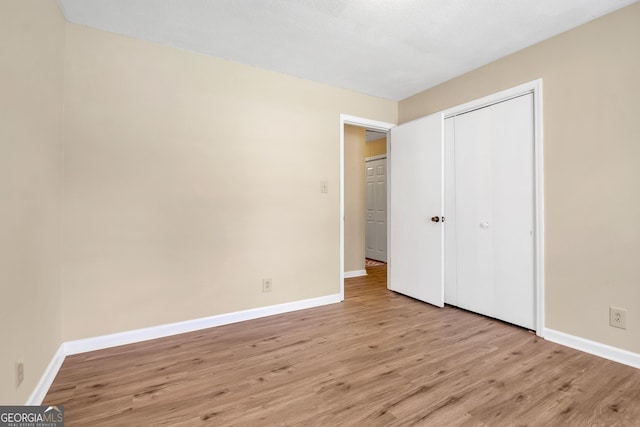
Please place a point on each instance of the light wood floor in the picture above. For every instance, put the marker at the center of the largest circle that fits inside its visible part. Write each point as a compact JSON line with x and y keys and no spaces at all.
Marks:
{"x":377,"y":359}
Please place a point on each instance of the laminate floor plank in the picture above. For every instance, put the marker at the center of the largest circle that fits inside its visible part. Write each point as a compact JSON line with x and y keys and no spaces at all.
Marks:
{"x":377,"y":359}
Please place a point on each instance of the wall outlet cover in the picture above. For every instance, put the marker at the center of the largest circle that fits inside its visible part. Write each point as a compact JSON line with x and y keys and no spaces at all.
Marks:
{"x":618,"y":317}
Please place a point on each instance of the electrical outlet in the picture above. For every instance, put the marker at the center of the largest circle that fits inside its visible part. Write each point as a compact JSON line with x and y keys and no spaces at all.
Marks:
{"x":618,"y":317}
{"x":19,"y":372}
{"x":266,"y":285}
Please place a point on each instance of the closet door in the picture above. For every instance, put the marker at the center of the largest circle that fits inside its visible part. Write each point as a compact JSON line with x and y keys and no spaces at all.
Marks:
{"x":494,"y":211}
{"x":450,"y":273}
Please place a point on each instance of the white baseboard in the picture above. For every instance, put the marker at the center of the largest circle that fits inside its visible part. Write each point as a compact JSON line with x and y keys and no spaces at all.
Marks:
{"x":97,"y":343}
{"x":592,"y":347}
{"x":138,"y":335}
{"x":355,"y":273}
{"x":38,"y":394}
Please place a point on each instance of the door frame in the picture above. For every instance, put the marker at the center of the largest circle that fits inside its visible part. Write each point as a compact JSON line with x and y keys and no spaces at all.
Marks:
{"x":534,"y":87}
{"x":346,"y":119}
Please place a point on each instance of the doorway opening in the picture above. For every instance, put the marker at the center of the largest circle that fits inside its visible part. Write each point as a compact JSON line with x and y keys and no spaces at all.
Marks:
{"x":375,"y":168}
{"x":365,"y":198}
{"x":354,"y":214}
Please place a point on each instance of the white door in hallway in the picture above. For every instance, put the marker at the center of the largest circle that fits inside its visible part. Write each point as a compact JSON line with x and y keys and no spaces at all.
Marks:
{"x":376,"y":215}
{"x":494,"y":210}
{"x":415,"y":265}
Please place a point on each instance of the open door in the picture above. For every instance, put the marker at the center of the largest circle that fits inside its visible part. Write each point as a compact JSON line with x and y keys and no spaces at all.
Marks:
{"x":416,"y":204}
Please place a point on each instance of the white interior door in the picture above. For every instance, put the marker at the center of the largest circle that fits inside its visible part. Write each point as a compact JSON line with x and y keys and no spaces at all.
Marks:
{"x":376,"y":220}
{"x":416,"y":193}
{"x":494,"y":211}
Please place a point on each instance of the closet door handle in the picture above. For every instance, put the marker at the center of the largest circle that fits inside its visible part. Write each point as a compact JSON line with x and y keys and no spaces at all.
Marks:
{"x":435,"y":218}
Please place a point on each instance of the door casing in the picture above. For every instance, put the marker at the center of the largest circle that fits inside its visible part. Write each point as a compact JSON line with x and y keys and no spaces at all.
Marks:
{"x":346,"y":119}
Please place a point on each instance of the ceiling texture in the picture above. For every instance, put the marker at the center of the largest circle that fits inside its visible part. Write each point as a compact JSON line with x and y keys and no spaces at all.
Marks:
{"x":387,"y":48}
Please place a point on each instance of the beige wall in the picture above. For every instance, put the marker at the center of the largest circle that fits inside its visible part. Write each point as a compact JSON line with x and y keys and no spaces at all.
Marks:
{"x":31,"y":82}
{"x":592,"y":167}
{"x":188,"y":179}
{"x":376,"y":148}
{"x":354,"y":198}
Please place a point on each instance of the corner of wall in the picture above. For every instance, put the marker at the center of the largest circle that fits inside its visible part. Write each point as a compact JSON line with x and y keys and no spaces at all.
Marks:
{"x":30,"y":181}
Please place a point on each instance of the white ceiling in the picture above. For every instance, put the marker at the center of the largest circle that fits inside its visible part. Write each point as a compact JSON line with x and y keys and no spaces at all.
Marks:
{"x":388,"y":48}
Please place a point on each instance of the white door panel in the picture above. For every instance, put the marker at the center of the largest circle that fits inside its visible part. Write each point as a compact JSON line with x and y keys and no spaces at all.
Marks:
{"x":376,"y":220}
{"x":473,"y":208}
{"x":494,"y":211}
{"x":513,"y":212}
{"x":370,"y":219}
{"x":416,"y":243}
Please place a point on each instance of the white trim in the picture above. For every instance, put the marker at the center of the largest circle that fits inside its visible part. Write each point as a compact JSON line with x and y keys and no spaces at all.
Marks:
{"x":346,"y":119}
{"x":592,"y":347}
{"x":378,"y":157}
{"x":138,"y":335}
{"x":534,"y":87}
{"x":485,"y":101}
{"x":539,"y":194}
{"x":129,"y":337}
{"x":354,"y":273}
{"x":38,"y":393}
{"x":106,"y":341}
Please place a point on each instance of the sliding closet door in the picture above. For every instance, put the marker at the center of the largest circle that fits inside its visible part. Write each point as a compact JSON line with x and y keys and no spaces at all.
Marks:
{"x":494,"y":211}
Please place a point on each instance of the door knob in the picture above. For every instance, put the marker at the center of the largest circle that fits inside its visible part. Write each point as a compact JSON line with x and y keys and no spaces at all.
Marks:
{"x":435,"y":218}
